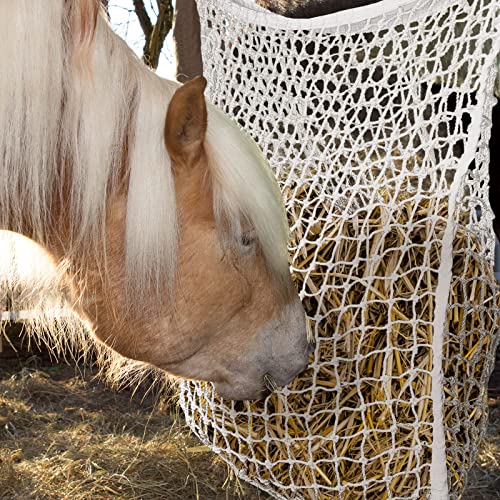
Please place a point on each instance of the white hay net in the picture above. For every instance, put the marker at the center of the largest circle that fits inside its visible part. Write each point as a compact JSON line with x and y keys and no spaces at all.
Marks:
{"x":377,"y":123}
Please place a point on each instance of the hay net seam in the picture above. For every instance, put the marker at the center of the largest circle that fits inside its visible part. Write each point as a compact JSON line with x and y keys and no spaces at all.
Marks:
{"x":376,"y":122}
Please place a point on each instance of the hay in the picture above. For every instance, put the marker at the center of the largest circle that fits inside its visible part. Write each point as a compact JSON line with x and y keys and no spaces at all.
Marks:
{"x":65,"y":435}
{"x":361,"y":363}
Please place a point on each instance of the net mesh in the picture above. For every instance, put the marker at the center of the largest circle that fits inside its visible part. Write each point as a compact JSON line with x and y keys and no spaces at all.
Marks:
{"x":376,"y":122}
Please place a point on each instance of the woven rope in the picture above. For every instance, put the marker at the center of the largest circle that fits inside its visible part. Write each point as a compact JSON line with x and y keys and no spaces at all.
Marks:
{"x":376,"y":122}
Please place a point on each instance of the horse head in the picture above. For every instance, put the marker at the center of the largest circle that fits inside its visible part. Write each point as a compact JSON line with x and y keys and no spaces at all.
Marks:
{"x":231,"y":314}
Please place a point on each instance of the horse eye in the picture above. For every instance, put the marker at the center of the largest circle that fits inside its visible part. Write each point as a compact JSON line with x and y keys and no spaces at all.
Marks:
{"x":247,"y":239}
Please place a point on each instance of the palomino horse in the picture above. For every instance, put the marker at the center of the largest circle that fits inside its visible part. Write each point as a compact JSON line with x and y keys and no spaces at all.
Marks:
{"x":171,"y":229}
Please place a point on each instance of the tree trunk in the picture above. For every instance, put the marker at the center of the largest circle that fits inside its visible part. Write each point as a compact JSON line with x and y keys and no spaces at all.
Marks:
{"x":154,"y":34}
{"x":187,"y":41}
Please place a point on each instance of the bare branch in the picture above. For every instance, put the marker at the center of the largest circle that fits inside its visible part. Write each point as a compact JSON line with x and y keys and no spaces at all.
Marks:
{"x":142,"y":15}
{"x":154,"y":34}
{"x":154,"y":43}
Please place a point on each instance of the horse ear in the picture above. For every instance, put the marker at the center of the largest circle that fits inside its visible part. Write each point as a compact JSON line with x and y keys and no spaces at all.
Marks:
{"x":83,"y":16}
{"x":186,"y":122}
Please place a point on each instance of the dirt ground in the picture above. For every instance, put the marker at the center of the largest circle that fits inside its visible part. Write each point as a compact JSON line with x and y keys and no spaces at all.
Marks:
{"x":63,"y":434}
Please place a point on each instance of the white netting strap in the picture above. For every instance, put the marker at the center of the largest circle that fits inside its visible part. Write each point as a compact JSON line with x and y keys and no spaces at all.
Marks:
{"x":351,"y":20}
{"x":439,"y":483}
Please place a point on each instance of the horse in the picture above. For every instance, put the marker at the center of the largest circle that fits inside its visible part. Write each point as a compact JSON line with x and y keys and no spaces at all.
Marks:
{"x":161,"y":213}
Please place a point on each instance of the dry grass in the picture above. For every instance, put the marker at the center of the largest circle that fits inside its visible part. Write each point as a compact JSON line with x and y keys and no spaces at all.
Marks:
{"x":65,"y":435}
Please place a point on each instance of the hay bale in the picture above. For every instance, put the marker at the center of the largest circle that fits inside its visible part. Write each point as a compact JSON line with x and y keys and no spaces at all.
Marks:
{"x":359,"y":420}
